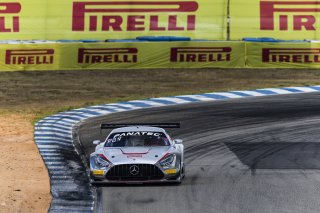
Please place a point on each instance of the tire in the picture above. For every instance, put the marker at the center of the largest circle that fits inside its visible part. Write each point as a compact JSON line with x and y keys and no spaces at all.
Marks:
{"x":181,"y":175}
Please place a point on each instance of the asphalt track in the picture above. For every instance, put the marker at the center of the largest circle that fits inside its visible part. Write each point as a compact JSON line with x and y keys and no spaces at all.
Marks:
{"x":256,"y":155}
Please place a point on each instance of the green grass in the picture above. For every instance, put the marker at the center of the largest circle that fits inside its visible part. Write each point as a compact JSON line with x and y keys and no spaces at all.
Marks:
{"x":42,"y":93}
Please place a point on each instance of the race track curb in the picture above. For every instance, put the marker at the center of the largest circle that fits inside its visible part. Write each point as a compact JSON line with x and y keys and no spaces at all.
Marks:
{"x":70,"y":187}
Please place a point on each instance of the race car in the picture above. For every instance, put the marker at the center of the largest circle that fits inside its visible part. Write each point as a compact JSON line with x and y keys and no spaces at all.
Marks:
{"x":137,"y":153}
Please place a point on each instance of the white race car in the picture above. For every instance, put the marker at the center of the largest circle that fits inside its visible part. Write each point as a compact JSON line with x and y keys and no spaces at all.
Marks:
{"x":137,"y":153}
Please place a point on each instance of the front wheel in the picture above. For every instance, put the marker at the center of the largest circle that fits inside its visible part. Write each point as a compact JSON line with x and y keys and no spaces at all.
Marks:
{"x":181,"y":175}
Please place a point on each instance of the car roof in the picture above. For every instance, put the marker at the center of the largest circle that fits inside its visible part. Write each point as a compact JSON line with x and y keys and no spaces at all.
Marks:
{"x":138,"y":128}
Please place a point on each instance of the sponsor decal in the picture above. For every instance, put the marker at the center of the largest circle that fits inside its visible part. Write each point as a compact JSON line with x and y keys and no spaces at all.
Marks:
{"x":156,"y":134}
{"x":291,"y":55}
{"x":118,"y":136}
{"x":30,"y":56}
{"x":200,"y":54}
{"x":298,"y":15}
{"x":134,"y":16}
{"x":107,"y":55}
{"x":9,"y":19}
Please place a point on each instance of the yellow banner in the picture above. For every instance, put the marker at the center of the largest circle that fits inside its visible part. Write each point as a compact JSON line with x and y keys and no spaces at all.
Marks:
{"x":15,"y":57}
{"x":127,"y":19}
{"x":75,"y":56}
{"x":112,"y":19}
{"x":283,"y":55}
{"x":281,"y":19}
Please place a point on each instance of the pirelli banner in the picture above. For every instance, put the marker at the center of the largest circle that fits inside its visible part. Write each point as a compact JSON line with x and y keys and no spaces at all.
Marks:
{"x":15,"y":57}
{"x":110,"y":19}
{"x":281,"y":19}
{"x":75,"y":56}
{"x":283,"y":55}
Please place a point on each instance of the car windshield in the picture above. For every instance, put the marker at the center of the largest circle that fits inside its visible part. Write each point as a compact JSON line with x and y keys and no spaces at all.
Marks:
{"x":134,"y":139}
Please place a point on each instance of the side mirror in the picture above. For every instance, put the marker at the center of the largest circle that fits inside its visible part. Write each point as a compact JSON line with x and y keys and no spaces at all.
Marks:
{"x":96,"y":142}
{"x":178,"y":141}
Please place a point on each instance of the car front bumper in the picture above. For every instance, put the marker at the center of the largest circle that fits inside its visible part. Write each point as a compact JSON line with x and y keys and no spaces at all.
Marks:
{"x":168,"y":176}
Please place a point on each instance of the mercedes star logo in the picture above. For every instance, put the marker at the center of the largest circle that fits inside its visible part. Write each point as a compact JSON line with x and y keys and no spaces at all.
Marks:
{"x":134,"y":170}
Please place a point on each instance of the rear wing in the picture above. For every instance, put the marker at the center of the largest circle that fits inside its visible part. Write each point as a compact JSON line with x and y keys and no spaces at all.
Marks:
{"x":160,"y":125}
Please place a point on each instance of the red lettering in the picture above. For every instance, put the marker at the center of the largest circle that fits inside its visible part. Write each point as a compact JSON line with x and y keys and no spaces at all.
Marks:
{"x":202,"y":57}
{"x":10,"y":8}
{"x":133,"y":22}
{"x":297,"y":58}
{"x":211,"y":57}
{"x":107,"y":58}
{"x":284,"y":58}
{"x":173,"y":24}
{"x":30,"y":60}
{"x":154,"y":21}
{"x":93,"y":23}
{"x":96,"y":59}
{"x":21,"y":60}
{"x":274,"y":58}
{"x":113,"y":22}
{"x":306,"y":21}
{"x":269,"y":9}
{"x":283,"y":22}
{"x":116,"y":59}
{"x":316,"y":58}
{"x":134,"y":58}
{"x":15,"y":21}
{"x":228,"y":57}
{"x":191,"y":23}
{"x":307,"y":59}
{"x":15,"y":25}
{"x":191,"y":58}
{"x":174,"y":57}
{"x":81,"y":10}
{"x":39,"y":62}
{"x":3,"y":28}
{"x":220,"y":57}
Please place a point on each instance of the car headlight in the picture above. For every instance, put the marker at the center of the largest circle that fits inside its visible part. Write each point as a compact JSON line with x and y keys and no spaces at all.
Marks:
{"x":101,"y":160}
{"x":168,"y":161}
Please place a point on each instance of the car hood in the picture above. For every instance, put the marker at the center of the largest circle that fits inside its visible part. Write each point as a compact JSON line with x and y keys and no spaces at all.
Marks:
{"x":132,"y":155}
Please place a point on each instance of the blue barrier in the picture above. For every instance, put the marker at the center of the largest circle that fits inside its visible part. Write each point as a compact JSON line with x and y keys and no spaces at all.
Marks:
{"x":260,"y":40}
{"x":266,"y":39}
{"x":68,"y":41}
{"x":90,"y":40}
{"x":163,"y":38}
{"x":124,"y":40}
